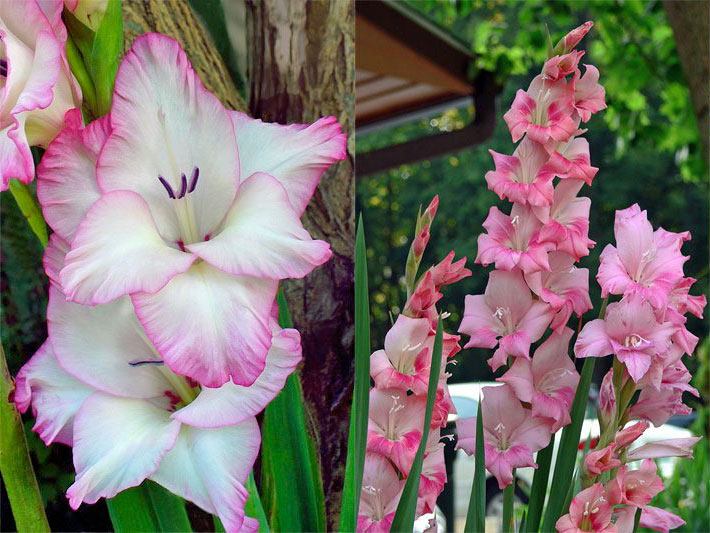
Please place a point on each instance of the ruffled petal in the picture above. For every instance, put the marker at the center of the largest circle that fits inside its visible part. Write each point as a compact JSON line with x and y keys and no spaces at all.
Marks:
{"x":230,"y":403}
{"x":210,"y":326}
{"x":296,"y":155}
{"x":210,"y":466}
{"x":262,"y":235}
{"x":117,"y":251}
{"x":118,"y":442}
{"x":55,"y":396}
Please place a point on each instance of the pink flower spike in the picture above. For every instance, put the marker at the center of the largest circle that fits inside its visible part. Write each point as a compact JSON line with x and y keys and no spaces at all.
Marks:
{"x":406,"y":360}
{"x":561,"y":65}
{"x":659,"y":519}
{"x":525,"y":177}
{"x":588,"y":93}
{"x":544,"y":111}
{"x":512,"y":241}
{"x":395,"y":425}
{"x":569,"y":41}
{"x":634,"y":487}
{"x":447,"y":272}
{"x":511,"y":434}
{"x":599,"y":461}
{"x":682,"y":447}
{"x":507,"y":312}
{"x":381,"y":490}
{"x":589,"y":512}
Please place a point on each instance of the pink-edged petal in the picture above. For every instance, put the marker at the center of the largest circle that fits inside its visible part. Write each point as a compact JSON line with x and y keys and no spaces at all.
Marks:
{"x":66,"y":177}
{"x":117,"y":251}
{"x":210,"y":326}
{"x":593,"y":340}
{"x":210,"y":466}
{"x":519,"y":377}
{"x":230,"y":403}
{"x":97,"y":344}
{"x":118,"y":442}
{"x":53,"y":258}
{"x":536,"y":320}
{"x":262,"y":235}
{"x":479,"y":322}
{"x":165,"y":123}
{"x":659,"y":519}
{"x":55,"y":395}
{"x":15,"y":156}
{"x":296,"y":154}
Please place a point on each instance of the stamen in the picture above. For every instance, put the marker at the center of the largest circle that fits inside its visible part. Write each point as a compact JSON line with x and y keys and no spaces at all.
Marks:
{"x":193,"y":181}
{"x":141,"y":362}
{"x":515,"y":219}
{"x":445,"y":314}
{"x":167,"y":186}
{"x":3,"y":67}
{"x":183,"y":186}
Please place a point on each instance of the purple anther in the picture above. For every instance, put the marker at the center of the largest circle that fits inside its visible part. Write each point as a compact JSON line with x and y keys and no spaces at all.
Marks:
{"x":193,"y":181}
{"x":167,"y":186}
{"x":183,"y":186}
{"x":3,"y":67}
{"x":141,"y":362}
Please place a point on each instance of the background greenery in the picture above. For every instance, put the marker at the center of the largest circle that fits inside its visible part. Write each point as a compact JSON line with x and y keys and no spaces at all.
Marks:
{"x":646,"y":145}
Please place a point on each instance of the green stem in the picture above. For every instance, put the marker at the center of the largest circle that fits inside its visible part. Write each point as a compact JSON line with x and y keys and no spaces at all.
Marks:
{"x":15,"y":463}
{"x":508,"y":495}
{"x":30,"y":209}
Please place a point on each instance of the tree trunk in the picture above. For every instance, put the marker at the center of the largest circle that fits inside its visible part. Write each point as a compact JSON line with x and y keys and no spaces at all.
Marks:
{"x":689,"y":21}
{"x":302,"y":67}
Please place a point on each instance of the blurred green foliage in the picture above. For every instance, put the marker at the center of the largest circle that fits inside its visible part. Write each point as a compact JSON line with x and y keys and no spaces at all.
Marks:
{"x":646,"y":145}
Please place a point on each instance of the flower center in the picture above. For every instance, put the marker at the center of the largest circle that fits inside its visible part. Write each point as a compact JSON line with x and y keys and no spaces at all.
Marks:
{"x":506,"y":318}
{"x":183,"y":206}
{"x":635,"y":341}
{"x":646,"y":257}
{"x":378,"y":510}
{"x":502,"y":436}
{"x":405,"y":365}
{"x":391,"y":430}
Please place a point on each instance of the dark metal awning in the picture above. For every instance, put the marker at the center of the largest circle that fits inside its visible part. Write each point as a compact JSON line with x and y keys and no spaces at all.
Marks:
{"x":407,"y":67}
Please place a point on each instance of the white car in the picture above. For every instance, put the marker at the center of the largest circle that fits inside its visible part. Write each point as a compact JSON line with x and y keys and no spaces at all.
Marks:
{"x":465,"y":398}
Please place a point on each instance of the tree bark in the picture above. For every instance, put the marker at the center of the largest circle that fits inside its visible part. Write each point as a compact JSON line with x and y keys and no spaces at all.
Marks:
{"x":689,"y":20}
{"x":302,"y":67}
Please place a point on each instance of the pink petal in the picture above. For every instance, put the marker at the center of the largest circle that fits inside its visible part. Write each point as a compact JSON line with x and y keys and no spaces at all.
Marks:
{"x":209,"y":467}
{"x":210,"y":326}
{"x":519,"y":378}
{"x":478,"y":322}
{"x":262,"y":235}
{"x":296,"y":155}
{"x":117,"y":251}
{"x":593,"y":340}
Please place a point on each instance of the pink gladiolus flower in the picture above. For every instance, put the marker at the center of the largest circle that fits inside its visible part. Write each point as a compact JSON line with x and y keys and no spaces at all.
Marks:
{"x":565,"y":287}
{"x":628,"y":435}
{"x":659,"y":406}
{"x":569,"y":41}
{"x":512,"y":241}
{"x":571,"y":160}
{"x":589,"y":512}
{"x":659,"y":519}
{"x":433,"y":477}
{"x":645,"y":262}
{"x":544,"y":111}
{"x":511,"y":434}
{"x":599,"y":461}
{"x":423,"y":298}
{"x":588,"y":93}
{"x":682,"y":447}
{"x":634,"y":487}
{"x":505,"y":316}
{"x":681,"y":302}
{"x":395,"y":426}
{"x":98,"y":385}
{"x":525,"y":177}
{"x":211,"y":233}
{"x":381,"y":490}
{"x":566,"y":223}
{"x":406,"y":360}
{"x":37,"y":87}
{"x":448,"y":272}
{"x":562,"y":65}
{"x":548,"y":381}
{"x":630,"y":331}
{"x":421,"y":240}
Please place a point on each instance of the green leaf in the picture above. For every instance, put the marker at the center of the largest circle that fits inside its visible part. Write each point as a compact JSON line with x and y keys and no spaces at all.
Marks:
{"x":508,"y":506}
{"x":148,"y":507}
{"x":567,"y":452}
{"x":254,"y":508}
{"x":292,"y":487}
{"x":357,"y":437}
{"x":78,"y":68}
{"x":30,"y":209}
{"x":404,"y":516}
{"x":105,"y":56}
{"x":15,"y":464}
{"x":476,"y":516}
{"x":539,"y":487}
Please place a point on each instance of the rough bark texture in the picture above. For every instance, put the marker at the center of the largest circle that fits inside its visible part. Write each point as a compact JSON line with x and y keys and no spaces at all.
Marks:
{"x":177,"y":19}
{"x":302,"y":67}
{"x":689,"y":20}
